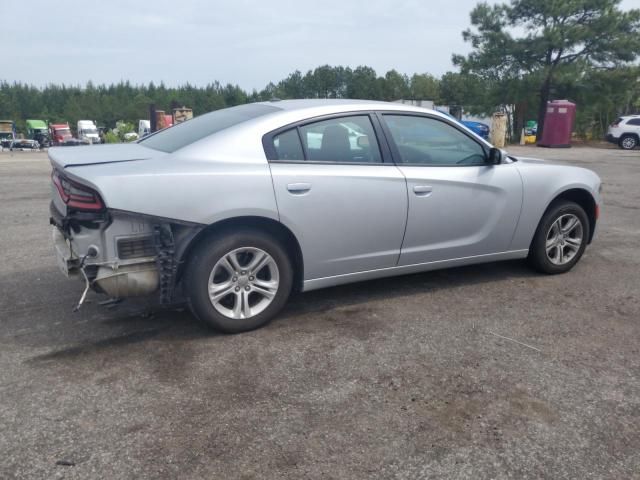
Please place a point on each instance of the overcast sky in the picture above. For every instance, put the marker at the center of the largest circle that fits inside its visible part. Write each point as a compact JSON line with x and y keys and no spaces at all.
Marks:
{"x":243,"y":42}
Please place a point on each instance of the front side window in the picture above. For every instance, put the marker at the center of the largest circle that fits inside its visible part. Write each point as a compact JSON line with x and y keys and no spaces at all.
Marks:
{"x":427,"y":141}
{"x":344,"y":139}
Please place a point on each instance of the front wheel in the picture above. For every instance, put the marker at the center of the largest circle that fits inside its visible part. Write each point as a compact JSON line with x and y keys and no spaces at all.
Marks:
{"x":560,"y":239}
{"x":238,"y":281}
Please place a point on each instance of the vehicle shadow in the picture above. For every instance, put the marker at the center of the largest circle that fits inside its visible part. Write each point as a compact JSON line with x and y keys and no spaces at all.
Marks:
{"x":355,"y":294}
{"x":142,"y":323}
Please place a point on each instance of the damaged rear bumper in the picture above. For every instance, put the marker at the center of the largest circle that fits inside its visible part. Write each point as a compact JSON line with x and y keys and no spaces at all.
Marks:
{"x":65,"y":259}
{"x":121,"y":254}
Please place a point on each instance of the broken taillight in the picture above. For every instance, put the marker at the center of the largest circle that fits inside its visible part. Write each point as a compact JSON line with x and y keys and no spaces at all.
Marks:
{"x":75,"y":195}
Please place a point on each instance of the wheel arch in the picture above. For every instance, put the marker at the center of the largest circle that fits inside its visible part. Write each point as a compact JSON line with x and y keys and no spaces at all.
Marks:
{"x":631,"y":134}
{"x":264,"y":224}
{"x":585,"y":199}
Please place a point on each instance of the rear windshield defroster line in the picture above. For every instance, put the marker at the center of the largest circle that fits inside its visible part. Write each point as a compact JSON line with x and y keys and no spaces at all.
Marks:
{"x":183,"y":134}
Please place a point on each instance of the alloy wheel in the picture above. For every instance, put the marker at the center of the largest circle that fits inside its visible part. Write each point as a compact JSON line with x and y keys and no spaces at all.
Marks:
{"x":628,"y":143}
{"x":564,"y":239}
{"x":243,"y":283}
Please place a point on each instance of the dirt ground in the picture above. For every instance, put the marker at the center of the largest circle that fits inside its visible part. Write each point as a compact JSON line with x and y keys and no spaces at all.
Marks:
{"x":405,"y":378}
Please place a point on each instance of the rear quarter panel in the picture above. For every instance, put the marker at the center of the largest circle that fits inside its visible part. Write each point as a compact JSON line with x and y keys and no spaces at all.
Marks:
{"x":203,"y":183}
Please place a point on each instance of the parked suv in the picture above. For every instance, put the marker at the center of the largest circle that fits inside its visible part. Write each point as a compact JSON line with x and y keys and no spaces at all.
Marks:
{"x":625,"y":131}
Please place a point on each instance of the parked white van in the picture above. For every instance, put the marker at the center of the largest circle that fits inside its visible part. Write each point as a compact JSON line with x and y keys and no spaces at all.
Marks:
{"x":87,"y":130}
{"x":144,"y":128}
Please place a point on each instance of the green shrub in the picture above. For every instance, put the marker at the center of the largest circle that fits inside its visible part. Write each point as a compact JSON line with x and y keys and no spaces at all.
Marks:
{"x":111,"y":137}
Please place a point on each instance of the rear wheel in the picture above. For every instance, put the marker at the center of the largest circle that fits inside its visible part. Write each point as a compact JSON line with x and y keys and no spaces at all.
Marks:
{"x":628,"y":142}
{"x":238,"y":281}
{"x":560,"y":239}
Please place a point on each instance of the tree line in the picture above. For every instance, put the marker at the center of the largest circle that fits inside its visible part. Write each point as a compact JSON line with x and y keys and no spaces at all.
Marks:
{"x":108,"y":104}
{"x":524,"y":53}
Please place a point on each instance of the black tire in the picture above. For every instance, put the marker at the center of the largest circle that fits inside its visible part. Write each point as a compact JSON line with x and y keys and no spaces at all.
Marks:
{"x":538,"y":258}
{"x":202,"y":262}
{"x":628,"y":142}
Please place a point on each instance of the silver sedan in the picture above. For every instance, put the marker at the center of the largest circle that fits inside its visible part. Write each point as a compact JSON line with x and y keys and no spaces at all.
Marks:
{"x":235,"y":209}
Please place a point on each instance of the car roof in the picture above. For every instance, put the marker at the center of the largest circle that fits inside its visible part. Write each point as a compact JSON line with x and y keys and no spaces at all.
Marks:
{"x":318,"y":102}
{"x":282,"y":114}
{"x":344,"y":105}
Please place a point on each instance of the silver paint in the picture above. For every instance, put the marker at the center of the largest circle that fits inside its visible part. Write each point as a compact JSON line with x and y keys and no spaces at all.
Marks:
{"x":353,"y":222}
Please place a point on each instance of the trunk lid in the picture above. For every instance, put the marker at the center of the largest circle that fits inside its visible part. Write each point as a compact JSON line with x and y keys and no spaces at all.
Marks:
{"x":64,"y":157}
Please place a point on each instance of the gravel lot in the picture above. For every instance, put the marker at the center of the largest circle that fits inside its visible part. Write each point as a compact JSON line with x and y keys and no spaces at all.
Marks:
{"x":399,"y":378}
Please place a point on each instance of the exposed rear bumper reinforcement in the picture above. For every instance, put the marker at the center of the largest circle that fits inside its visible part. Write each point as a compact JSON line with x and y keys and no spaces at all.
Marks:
{"x":165,"y":261}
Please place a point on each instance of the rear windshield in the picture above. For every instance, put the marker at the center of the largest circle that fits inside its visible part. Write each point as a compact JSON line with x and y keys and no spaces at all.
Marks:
{"x":185,"y":133}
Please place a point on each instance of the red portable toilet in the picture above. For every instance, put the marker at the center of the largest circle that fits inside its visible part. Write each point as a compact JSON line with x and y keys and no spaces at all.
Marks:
{"x":558,"y":124}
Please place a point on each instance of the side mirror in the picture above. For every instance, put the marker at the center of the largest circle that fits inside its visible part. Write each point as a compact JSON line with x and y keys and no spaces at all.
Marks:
{"x":495,"y":156}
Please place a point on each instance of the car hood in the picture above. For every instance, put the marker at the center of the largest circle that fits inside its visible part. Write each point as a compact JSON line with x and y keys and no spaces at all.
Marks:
{"x":100,"y":154}
{"x":552,"y":167}
{"x":529,"y":160}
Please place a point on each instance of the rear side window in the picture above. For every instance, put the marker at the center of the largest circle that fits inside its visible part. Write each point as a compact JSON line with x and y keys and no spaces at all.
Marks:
{"x":287,"y":145}
{"x":343,"y":139}
{"x":183,"y":134}
{"x":634,"y":121}
{"x":349,"y":139}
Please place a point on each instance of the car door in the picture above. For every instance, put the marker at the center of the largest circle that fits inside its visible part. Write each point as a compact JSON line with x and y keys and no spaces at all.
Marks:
{"x":345,"y":205}
{"x":459,"y":206}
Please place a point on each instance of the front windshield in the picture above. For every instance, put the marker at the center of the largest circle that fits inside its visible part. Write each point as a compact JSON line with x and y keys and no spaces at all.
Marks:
{"x":63,"y":132}
{"x":174,"y":138}
{"x":89,"y":131}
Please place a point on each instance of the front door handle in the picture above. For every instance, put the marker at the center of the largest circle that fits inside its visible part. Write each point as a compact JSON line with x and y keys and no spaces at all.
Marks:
{"x":298,"y":188}
{"x":423,"y":190}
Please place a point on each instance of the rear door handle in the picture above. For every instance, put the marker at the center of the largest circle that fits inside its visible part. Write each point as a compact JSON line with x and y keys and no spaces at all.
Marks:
{"x":298,"y":188}
{"x":423,"y":190}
